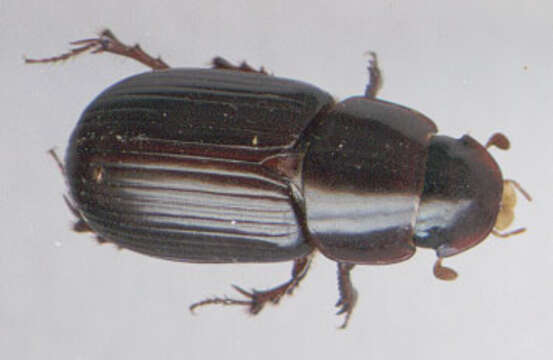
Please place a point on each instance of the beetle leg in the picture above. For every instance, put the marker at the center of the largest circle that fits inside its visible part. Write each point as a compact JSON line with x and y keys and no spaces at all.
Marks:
{"x":375,"y":77}
{"x":53,"y":154}
{"x":348,"y":294}
{"x":80,"y":225}
{"x":106,"y":42}
{"x":223,"y":64}
{"x":257,"y":299}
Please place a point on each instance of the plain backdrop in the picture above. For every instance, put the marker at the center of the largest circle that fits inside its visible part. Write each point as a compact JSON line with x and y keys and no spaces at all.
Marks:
{"x":473,"y":67}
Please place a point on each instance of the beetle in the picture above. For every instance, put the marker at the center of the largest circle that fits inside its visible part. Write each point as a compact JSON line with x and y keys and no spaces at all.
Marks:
{"x":230,"y":164}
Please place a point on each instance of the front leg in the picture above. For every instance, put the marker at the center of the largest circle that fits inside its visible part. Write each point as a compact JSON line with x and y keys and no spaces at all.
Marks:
{"x":375,"y":77}
{"x":348,"y":294}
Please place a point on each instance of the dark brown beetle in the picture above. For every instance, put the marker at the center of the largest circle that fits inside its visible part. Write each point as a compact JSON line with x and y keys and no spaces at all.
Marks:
{"x":230,"y":164}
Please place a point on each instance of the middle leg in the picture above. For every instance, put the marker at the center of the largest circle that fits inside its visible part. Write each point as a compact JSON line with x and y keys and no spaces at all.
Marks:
{"x":256,"y":300}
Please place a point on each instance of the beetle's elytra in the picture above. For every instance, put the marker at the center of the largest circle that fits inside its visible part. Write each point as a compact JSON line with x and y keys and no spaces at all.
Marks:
{"x":230,"y":164}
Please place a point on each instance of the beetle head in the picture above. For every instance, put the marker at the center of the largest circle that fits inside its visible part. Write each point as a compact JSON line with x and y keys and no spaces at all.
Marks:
{"x":504,"y":213}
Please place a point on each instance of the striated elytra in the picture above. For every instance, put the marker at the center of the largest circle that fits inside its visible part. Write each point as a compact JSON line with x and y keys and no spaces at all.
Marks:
{"x":230,"y":164}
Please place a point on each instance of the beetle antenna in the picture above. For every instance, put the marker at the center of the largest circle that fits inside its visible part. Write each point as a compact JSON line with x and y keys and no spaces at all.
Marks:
{"x":508,"y":202}
{"x":499,"y":140}
{"x":443,"y":272}
{"x":519,"y":188}
{"x":509,"y":233}
{"x":506,"y":212}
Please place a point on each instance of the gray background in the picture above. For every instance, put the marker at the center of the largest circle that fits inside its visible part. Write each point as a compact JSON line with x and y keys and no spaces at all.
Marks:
{"x":472,"y":66}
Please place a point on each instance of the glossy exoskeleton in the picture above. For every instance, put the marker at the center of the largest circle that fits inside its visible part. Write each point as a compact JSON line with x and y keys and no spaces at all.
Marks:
{"x":230,"y":164}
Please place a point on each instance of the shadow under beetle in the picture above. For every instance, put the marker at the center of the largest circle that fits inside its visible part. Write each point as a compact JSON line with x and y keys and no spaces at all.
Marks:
{"x":230,"y":164}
